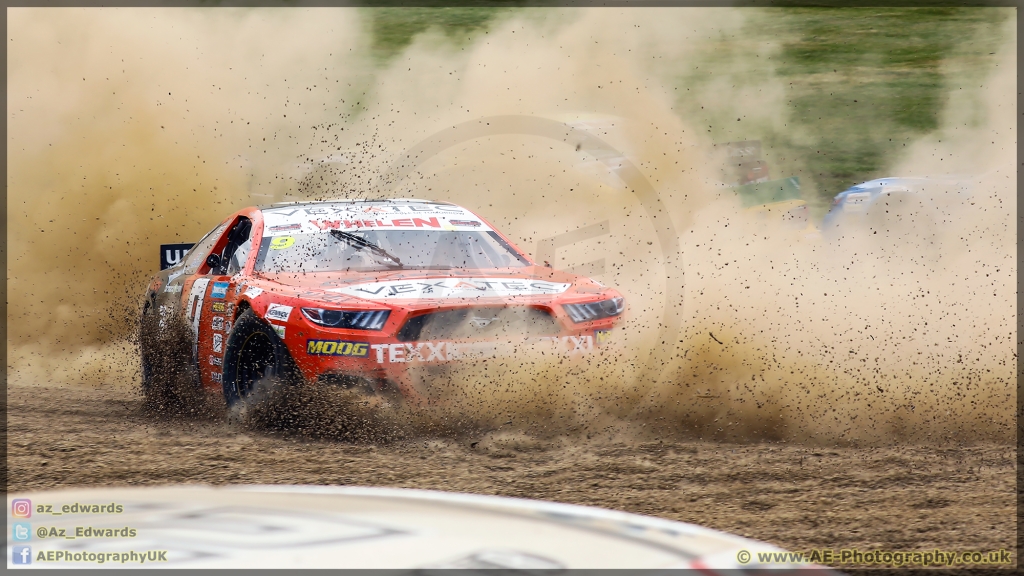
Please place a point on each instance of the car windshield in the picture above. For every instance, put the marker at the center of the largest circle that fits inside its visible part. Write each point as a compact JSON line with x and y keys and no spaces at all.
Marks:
{"x":386,"y":249}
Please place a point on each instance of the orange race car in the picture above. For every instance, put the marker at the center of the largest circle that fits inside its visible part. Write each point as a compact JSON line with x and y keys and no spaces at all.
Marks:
{"x":357,"y":292}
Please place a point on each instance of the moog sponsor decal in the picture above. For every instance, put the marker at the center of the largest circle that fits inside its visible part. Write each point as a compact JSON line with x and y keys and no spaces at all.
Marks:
{"x":337,"y":348}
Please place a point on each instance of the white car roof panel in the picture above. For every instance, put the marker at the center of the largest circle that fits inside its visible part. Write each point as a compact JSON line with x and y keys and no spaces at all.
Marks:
{"x":401,"y":214}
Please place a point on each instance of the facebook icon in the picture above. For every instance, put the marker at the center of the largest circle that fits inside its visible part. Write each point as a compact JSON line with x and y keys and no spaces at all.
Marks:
{"x":21,"y":555}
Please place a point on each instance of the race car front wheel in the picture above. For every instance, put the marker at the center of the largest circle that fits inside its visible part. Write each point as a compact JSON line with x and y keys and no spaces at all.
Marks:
{"x":255,"y":360}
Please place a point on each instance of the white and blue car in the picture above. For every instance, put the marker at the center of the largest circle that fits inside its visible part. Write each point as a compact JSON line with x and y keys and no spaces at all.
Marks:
{"x":895,"y":205}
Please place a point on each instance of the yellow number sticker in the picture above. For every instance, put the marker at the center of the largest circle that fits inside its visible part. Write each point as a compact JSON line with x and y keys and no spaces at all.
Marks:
{"x":282,"y":242}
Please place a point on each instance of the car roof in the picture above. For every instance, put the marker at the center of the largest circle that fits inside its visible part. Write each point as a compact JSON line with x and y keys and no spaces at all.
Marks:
{"x":307,"y":217}
{"x":354,"y":201}
{"x":912,"y":184}
{"x":880,"y":182}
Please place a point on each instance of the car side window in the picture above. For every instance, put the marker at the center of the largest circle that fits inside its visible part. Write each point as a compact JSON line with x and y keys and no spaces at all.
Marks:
{"x":238,"y":259}
{"x":238,"y":237}
{"x":197,"y":255}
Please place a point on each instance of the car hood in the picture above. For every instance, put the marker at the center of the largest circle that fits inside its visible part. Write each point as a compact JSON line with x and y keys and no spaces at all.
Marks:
{"x":438,"y":287}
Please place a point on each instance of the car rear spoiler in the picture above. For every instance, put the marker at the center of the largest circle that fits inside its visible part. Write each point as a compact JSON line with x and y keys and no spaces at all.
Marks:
{"x":171,"y":254}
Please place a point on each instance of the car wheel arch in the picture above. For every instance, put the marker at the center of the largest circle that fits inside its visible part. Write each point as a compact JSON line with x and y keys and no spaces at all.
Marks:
{"x":240,"y":309}
{"x":236,"y":342}
{"x":149,"y":302}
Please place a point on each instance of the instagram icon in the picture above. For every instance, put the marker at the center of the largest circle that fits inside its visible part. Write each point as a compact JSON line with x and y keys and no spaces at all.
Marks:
{"x":21,"y":508}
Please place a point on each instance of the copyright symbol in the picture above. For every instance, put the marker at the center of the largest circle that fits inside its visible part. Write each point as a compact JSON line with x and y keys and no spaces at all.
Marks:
{"x":41,"y":532}
{"x":743,"y":556}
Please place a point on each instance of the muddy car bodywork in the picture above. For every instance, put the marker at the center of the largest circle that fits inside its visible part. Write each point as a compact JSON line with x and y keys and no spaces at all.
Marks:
{"x":923,"y":202}
{"x":368,"y":326}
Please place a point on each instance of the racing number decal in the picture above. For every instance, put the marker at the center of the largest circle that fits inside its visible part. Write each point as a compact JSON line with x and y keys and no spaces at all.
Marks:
{"x":282,"y":242}
{"x":195,"y":304}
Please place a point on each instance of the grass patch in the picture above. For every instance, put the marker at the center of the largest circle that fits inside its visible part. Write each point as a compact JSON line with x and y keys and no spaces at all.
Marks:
{"x":860,"y":84}
{"x":393,"y":29}
{"x":890,"y":69}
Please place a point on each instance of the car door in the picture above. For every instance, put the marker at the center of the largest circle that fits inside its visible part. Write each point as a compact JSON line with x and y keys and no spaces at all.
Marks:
{"x":212,"y":317}
{"x":196,"y":281}
{"x":184,"y":282}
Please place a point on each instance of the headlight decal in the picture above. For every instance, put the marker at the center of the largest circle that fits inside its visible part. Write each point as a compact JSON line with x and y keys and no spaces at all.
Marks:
{"x":595,"y":310}
{"x":349,"y":319}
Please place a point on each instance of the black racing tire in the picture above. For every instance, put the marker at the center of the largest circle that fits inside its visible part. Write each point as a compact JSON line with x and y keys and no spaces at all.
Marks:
{"x":148,"y":324}
{"x":170,"y":381}
{"x":254,"y":352}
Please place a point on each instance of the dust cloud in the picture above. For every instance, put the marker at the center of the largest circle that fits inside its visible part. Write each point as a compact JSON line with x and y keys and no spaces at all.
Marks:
{"x":132,"y":128}
{"x":781,"y":337}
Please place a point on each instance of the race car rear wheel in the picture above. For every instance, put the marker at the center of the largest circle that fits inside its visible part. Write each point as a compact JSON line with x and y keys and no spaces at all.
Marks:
{"x":255,"y":360}
{"x":147,"y":325}
{"x":170,"y":381}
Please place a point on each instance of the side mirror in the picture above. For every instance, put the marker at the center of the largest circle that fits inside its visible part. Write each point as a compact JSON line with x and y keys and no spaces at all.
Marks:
{"x":213,"y":261}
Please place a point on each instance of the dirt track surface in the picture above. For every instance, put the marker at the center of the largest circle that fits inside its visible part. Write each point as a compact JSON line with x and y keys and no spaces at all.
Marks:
{"x":899,"y":498}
